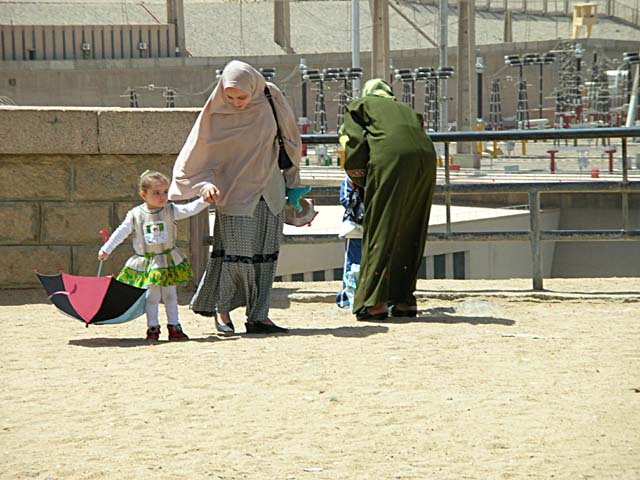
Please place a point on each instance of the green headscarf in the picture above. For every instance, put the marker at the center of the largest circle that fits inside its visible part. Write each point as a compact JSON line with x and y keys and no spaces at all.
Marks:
{"x":377,"y":87}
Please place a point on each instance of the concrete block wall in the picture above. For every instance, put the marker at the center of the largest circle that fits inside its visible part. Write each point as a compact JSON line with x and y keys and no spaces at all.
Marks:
{"x":65,"y":174}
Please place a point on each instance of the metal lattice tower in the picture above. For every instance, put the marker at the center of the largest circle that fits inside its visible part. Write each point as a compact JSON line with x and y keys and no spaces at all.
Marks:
{"x":133,"y":99}
{"x":560,"y":111}
{"x":320,"y":117}
{"x":522,"y":111}
{"x":269,"y":73}
{"x":632,"y":60}
{"x":423,"y":74}
{"x":170,"y":97}
{"x":336,"y":75}
{"x":316,"y":77}
{"x":603,"y":106}
{"x":432,"y":100}
{"x":407,"y":97}
{"x":442,"y":74}
{"x":566,"y":82}
{"x":431,"y":111}
{"x":407,"y":77}
{"x":343,"y":100}
{"x":495,"y":107}
{"x":599,"y":99}
{"x":522,"y":108}
{"x":569,"y":99}
{"x":599,"y":70}
{"x":346,"y":95}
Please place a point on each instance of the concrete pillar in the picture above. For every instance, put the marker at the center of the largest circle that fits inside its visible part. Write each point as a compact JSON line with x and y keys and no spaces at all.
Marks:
{"x":126,"y":41}
{"x":107,"y":41}
{"x":175,"y":16}
{"x":171,"y":40}
{"x":508,"y":27}
{"x":117,"y":41}
{"x":380,"y":44}
{"x":465,"y":73}
{"x":58,"y":43}
{"x":48,"y":42}
{"x":38,"y":42}
{"x":96,"y":42}
{"x":443,"y":63}
{"x":282,"y":25}
{"x":163,"y":39}
{"x":6,"y":42}
{"x":18,"y":44}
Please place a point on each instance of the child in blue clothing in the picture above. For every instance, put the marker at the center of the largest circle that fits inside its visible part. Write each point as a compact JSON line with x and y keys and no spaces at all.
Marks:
{"x":352,"y":233}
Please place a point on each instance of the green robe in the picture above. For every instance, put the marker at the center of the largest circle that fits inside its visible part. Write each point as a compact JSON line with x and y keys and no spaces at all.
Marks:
{"x":388,"y":149}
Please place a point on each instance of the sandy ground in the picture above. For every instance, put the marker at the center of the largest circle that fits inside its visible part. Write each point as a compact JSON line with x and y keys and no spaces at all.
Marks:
{"x":492,"y":381}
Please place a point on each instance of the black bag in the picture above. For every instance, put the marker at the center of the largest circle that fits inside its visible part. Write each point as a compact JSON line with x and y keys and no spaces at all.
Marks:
{"x":284,"y":162}
{"x":355,"y":207}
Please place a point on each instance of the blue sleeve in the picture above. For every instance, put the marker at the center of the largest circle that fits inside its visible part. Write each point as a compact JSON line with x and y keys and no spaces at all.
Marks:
{"x":345,"y":192}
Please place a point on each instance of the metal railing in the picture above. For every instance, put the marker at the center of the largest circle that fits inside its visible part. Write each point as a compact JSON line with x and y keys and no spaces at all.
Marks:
{"x":621,"y":10}
{"x":533,"y":189}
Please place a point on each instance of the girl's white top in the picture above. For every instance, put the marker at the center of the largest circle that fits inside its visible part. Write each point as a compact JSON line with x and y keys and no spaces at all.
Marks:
{"x":154,"y":232}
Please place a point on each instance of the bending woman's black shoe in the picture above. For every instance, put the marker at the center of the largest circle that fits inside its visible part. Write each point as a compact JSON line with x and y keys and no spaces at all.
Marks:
{"x":260,"y":327}
{"x":364,"y":315}
{"x":394,"y":311}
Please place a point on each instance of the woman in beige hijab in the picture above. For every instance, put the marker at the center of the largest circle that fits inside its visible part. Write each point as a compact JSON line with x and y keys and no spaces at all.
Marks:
{"x":231,"y":157}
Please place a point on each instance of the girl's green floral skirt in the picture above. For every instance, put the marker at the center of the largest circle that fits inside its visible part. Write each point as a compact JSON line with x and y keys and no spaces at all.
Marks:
{"x":162,"y":277}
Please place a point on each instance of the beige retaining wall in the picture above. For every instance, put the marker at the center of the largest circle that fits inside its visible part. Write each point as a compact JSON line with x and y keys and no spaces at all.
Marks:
{"x":65,"y":174}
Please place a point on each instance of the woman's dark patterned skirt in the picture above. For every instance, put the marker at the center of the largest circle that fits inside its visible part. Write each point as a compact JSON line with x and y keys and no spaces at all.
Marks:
{"x":242,"y":266}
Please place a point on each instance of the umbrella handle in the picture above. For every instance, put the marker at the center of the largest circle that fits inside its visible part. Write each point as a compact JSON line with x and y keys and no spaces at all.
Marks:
{"x":105,"y":234}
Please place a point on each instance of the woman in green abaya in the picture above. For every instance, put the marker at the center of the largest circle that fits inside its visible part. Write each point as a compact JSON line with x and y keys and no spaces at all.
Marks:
{"x":388,"y":153}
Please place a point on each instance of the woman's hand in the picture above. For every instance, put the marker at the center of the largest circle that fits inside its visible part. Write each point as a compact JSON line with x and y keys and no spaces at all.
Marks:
{"x":211,"y":193}
{"x":102,"y":256}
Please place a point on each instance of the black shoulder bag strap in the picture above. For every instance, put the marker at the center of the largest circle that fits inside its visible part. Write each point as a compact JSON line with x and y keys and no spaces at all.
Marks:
{"x":284,"y":162}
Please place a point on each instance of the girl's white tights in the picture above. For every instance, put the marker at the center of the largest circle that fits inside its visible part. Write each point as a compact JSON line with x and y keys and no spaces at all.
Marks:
{"x":169,"y":296}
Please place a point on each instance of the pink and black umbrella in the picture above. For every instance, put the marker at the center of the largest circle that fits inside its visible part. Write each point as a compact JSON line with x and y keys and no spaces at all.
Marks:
{"x":94,"y":300}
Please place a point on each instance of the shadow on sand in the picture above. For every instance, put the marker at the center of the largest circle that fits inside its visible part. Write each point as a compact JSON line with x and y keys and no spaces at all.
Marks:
{"x":523,"y":293}
{"x":360,"y":331}
{"x":446,"y":315}
{"x":139,"y":342}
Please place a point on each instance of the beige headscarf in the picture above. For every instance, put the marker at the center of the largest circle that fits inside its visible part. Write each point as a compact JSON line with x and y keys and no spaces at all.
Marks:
{"x":237,"y":149}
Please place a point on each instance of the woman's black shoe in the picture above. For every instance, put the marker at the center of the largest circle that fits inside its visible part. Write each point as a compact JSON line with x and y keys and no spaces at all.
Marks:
{"x":397,"y":312}
{"x":224,"y":328}
{"x":259,"y":327}
{"x":364,"y":315}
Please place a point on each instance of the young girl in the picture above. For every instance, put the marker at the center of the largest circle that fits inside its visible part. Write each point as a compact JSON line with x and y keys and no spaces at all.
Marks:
{"x":157,"y":264}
